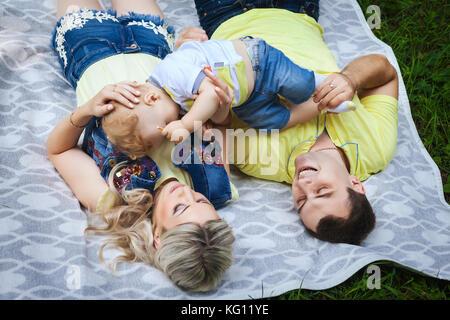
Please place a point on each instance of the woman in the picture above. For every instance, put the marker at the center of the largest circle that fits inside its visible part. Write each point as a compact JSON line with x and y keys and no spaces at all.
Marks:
{"x":326,"y":158}
{"x":152,"y":213}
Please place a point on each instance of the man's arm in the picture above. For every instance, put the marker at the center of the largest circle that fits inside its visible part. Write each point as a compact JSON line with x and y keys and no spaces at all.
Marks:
{"x":367,"y":75}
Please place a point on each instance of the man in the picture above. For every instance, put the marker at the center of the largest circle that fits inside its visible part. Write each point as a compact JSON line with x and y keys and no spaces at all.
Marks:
{"x":327,"y":158}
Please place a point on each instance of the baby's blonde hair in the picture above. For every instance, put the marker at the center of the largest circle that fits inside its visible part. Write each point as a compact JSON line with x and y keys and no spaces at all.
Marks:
{"x":120,"y":126}
{"x":193,"y":256}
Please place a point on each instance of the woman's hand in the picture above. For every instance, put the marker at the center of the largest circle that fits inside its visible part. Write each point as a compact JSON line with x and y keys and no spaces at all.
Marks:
{"x":191,"y":34}
{"x":124,"y":92}
{"x":334,"y":90}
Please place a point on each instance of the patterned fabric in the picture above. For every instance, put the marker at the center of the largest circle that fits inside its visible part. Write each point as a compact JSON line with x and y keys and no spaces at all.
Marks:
{"x":141,"y":168}
{"x":44,"y":254}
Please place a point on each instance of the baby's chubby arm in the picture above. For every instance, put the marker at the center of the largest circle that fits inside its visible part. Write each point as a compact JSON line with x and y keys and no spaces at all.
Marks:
{"x":204,"y":108}
{"x":205,"y":105}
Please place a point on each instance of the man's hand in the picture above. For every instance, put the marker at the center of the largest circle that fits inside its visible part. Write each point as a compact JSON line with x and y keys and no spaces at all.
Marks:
{"x":191,"y":34}
{"x":334,"y":90}
{"x":175,"y":131}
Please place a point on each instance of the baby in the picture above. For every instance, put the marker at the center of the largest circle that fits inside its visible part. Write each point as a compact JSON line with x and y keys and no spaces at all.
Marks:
{"x":269,"y":93}
{"x":269,"y":88}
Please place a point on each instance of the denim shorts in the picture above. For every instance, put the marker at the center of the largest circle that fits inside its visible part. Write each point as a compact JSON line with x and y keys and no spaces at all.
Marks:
{"x":275,"y":74}
{"x":87,"y":36}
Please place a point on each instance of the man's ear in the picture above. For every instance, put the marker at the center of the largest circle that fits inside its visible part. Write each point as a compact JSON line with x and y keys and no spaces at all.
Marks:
{"x":150,"y":98}
{"x":156,"y":240}
{"x":357,"y":185}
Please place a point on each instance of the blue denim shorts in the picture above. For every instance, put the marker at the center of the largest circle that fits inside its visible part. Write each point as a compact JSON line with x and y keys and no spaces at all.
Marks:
{"x":87,"y":36}
{"x":275,"y":74}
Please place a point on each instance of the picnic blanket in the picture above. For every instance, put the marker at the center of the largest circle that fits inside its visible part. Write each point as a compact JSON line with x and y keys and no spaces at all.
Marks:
{"x":44,"y":254}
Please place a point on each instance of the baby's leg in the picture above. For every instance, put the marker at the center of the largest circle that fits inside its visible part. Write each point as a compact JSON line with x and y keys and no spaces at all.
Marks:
{"x":137,"y":6}
{"x":66,"y":6}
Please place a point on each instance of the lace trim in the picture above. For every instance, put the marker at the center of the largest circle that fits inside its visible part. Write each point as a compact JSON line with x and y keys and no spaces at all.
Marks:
{"x":157,"y":30}
{"x":78,"y":19}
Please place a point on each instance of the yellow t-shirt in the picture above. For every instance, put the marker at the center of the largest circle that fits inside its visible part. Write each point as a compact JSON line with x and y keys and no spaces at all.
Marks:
{"x":131,"y":67}
{"x":368,"y":135}
{"x":114,"y":69}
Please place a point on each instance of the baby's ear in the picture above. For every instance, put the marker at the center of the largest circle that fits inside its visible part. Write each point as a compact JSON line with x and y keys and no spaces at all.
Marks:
{"x":150,"y":98}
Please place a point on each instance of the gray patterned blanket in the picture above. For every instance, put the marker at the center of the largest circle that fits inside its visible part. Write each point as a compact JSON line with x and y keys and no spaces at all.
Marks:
{"x":44,"y":255}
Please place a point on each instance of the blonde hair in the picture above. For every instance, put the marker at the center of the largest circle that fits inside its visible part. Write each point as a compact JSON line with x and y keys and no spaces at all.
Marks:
{"x":120,"y":126}
{"x":193,"y":256}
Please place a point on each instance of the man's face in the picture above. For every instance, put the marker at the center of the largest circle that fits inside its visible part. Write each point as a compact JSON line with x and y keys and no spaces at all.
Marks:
{"x":320,"y":187}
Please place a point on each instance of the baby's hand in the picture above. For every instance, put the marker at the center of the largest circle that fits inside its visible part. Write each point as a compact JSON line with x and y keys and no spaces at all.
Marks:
{"x":175,"y":131}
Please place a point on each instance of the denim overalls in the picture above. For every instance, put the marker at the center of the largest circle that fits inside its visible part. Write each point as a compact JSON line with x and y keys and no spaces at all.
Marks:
{"x":209,"y":176}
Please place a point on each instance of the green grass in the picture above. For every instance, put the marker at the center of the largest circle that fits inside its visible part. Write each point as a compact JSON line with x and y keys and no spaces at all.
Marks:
{"x":396,"y":283}
{"x":418,"y":33}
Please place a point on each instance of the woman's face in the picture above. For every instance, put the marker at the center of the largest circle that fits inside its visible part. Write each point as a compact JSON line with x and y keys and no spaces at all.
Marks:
{"x":176,"y":203}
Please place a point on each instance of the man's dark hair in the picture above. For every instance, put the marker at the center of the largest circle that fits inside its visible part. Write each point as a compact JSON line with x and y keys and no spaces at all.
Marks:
{"x":352,"y":230}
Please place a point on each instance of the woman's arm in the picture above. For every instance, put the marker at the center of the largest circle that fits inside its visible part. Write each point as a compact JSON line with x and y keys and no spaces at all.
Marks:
{"x":367,"y":75}
{"x":77,"y":168}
